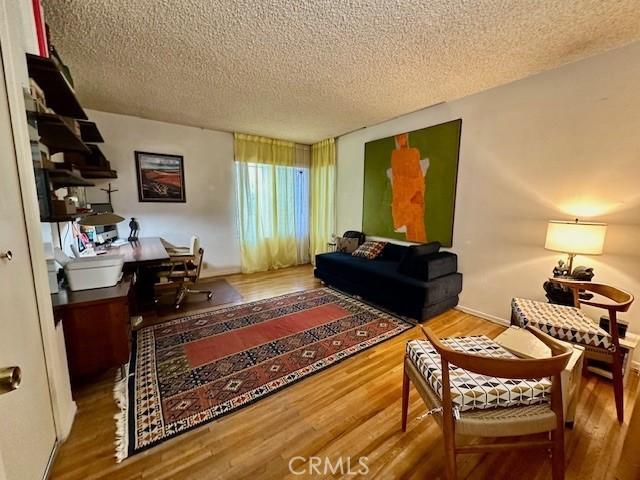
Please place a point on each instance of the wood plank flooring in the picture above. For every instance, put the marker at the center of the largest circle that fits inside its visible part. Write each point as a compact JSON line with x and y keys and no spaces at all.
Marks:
{"x":351,"y":410}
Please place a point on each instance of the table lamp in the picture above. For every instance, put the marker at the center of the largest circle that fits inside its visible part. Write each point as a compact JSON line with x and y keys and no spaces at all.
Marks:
{"x":575,"y":238}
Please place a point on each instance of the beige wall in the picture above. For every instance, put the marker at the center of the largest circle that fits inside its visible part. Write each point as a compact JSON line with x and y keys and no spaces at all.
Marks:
{"x":557,"y":145}
{"x":210,"y":210}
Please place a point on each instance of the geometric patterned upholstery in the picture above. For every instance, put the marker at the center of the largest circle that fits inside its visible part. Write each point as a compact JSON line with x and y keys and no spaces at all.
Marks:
{"x":471,"y":391}
{"x":562,"y":322}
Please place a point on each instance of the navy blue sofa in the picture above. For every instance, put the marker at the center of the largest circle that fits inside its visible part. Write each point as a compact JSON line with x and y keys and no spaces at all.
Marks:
{"x":416,"y":281}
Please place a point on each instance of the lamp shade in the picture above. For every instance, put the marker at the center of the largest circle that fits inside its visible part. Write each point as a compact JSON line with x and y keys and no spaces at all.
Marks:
{"x":100,"y":219}
{"x":576,"y":237}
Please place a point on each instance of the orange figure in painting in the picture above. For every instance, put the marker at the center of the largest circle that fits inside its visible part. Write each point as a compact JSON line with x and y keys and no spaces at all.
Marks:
{"x":407,"y":174}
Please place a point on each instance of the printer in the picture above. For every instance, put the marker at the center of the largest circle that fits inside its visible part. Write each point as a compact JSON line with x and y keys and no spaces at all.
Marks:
{"x":89,"y":272}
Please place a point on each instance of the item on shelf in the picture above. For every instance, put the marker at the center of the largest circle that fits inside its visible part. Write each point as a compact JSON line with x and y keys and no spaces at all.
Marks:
{"x":45,"y":157}
{"x":63,"y":207}
{"x":622,"y":325}
{"x":57,"y":157}
{"x":72,"y":123}
{"x":37,"y":94}
{"x":36,"y":157}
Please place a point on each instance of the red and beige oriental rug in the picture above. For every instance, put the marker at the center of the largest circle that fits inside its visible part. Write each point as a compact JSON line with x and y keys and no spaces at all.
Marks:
{"x":189,"y":371}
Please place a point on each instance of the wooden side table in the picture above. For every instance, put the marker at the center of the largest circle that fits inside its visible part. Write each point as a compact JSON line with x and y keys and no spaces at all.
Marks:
{"x":628,"y":344}
{"x":524,"y":344}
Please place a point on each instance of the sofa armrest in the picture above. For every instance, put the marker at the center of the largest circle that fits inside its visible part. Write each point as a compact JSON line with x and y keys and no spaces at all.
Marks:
{"x":430,"y":266}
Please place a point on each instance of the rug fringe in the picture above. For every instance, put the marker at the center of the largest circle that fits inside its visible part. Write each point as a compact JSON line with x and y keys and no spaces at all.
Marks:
{"x":120,"y":394}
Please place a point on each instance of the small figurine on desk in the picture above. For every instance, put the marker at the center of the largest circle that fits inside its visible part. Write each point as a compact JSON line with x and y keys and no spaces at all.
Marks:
{"x":135,"y":227}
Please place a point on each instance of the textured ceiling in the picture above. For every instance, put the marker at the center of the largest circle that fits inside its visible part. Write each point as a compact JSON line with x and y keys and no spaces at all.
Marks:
{"x":308,"y":70}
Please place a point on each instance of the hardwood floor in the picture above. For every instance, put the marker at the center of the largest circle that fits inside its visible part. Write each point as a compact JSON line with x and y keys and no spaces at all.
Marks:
{"x":349,"y":410}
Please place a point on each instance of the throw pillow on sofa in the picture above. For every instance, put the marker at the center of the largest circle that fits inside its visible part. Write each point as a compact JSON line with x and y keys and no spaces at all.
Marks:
{"x":369,"y":249}
{"x":346,"y":245}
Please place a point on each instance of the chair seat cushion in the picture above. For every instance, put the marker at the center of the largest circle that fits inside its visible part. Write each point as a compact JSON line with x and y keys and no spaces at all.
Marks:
{"x":471,"y":391}
{"x":564,"y":323}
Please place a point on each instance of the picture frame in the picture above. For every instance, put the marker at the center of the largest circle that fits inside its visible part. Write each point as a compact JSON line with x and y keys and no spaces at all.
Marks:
{"x":160,"y":177}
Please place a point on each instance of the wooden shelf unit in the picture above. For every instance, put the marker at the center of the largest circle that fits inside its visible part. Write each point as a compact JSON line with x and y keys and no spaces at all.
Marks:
{"x":61,"y":178}
{"x":89,"y":132}
{"x":81,"y":153}
{"x":64,"y":218}
{"x":97,"y":173}
{"x":58,"y":93}
{"x":56,"y":134}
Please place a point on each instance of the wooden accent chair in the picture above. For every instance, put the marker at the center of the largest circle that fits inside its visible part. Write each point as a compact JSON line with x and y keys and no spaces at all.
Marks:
{"x":434,"y":379}
{"x":184,"y":272}
{"x":572,"y":325}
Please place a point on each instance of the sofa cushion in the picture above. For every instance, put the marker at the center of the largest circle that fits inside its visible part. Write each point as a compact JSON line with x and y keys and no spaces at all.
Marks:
{"x":564,"y":323}
{"x":472,"y":391}
{"x":369,"y":249}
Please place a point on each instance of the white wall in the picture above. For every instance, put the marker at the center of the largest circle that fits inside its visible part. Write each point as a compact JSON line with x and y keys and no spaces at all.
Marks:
{"x":557,"y":145}
{"x":210,"y":210}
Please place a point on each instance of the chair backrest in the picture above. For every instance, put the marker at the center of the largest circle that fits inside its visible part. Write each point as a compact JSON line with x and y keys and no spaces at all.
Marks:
{"x":506,"y":367}
{"x":194,"y":246}
{"x":197,"y":261}
{"x":503,"y":368}
{"x":620,"y":301}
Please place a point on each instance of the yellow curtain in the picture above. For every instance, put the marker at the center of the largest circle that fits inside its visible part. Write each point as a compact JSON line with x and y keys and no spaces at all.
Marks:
{"x":323,"y":191}
{"x":266,"y":202}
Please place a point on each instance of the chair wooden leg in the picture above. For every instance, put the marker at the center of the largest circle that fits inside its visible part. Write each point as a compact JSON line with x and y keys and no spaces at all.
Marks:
{"x":557,"y":457}
{"x":405,"y":398}
{"x":449,"y":450}
{"x":618,"y":387}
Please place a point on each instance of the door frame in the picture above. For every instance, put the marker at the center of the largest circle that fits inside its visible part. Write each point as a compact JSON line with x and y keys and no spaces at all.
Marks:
{"x":62,"y":404}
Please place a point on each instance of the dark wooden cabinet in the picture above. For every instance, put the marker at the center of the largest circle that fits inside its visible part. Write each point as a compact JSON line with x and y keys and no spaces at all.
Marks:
{"x":96,"y":328}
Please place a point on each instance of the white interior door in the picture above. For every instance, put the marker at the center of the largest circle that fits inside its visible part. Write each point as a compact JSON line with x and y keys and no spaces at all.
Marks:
{"x":27,"y":431}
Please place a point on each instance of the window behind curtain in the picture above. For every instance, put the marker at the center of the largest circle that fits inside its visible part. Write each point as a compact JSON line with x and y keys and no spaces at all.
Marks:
{"x":277,"y":204}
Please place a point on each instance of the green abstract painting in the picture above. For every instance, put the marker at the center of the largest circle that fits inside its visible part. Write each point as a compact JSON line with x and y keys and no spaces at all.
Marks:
{"x":410,"y":184}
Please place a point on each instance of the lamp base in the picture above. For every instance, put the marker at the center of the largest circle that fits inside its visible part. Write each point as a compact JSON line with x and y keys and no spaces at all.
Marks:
{"x":561,"y":295}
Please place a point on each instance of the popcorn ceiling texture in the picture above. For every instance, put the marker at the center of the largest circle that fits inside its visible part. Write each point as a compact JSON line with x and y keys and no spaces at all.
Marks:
{"x":305,"y":71}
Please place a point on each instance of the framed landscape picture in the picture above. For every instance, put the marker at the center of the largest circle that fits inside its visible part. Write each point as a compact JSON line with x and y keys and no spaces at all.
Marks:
{"x":410,"y":184}
{"x":160,"y":177}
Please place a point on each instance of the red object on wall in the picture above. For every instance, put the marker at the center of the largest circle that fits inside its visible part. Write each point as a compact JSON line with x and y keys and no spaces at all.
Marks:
{"x":40,"y":28}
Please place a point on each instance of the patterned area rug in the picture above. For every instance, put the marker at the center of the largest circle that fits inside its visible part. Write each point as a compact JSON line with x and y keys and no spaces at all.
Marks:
{"x":189,"y":371}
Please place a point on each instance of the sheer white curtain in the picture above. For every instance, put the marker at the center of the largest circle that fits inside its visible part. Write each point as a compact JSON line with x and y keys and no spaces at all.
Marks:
{"x":273,"y":203}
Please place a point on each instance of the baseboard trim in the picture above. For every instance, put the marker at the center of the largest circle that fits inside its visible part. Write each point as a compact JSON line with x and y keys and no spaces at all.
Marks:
{"x":207,"y":273}
{"x":486,"y":316}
